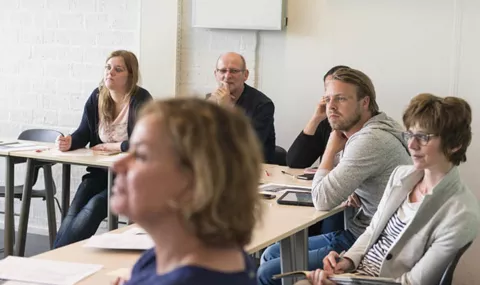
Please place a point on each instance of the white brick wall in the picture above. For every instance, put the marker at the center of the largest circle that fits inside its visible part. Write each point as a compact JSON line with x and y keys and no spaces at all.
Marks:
{"x":52,"y":55}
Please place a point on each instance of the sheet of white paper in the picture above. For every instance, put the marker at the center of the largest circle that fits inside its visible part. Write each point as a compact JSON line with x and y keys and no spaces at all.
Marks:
{"x":45,"y":271}
{"x":18,"y":146}
{"x":272,"y":187}
{"x":120,"y":241}
{"x":135,"y":231}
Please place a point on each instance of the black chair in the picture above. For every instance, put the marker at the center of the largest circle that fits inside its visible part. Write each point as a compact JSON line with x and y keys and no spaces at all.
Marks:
{"x":280,"y":156}
{"x":448,"y":274}
{"x":26,"y":192}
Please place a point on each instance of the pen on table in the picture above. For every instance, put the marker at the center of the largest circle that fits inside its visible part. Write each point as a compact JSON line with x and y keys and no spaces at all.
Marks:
{"x":266,"y":172}
{"x":284,"y":172}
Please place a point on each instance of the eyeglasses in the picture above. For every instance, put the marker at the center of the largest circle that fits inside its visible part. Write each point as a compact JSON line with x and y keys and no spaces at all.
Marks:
{"x":422,"y":139}
{"x":118,"y":69}
{"x":231,"y":70}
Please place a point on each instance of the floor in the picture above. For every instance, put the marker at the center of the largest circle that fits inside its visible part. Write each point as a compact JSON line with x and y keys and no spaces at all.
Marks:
{"x":36,"y":244}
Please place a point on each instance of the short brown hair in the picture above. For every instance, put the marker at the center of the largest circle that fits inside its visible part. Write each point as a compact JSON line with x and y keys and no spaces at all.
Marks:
{"x":221,"y":151}
{"x":449,"y":118}
{"x":363,"y":84}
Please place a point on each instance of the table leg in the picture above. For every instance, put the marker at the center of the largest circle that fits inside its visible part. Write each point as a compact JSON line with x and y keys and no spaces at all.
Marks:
{"x":286,"y":257}
{"x":9,"y":234}
{"x":112,"y":218}
{"x":300,"y":249}
{"x":25,"y":210}
{"x":66,"y":169}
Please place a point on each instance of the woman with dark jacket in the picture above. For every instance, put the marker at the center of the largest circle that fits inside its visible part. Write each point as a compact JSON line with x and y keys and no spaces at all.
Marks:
{"x":107,"y":123}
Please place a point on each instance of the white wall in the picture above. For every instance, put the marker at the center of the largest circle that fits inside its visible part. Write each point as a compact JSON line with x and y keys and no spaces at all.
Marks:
{"x":406,"y":47}
{"x":53,"y":52}
{"x":52,"y":57}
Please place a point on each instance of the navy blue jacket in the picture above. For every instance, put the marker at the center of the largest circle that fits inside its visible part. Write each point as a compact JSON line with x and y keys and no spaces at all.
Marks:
{"x":87,"y":132}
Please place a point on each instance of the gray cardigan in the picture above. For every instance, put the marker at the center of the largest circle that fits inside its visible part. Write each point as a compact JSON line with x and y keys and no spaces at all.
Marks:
{"x":446,"y":221}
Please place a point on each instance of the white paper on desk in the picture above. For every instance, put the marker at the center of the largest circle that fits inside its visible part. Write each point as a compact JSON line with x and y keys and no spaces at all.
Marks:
{"x":45,"y":271}
{"x":19,"y":146}
{"x":120,"y":241}
{"x":272,"y":187}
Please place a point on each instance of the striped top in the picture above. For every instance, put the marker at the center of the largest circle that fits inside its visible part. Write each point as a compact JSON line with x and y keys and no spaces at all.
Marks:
{"x":372,"y":261}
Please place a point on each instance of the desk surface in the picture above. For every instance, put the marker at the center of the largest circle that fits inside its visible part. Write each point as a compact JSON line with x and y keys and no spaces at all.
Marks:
{"x":81,"y":156}
{"x":279,"y":221}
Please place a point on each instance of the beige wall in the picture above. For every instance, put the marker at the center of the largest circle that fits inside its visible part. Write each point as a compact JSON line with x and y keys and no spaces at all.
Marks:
{"x":407,"y":47}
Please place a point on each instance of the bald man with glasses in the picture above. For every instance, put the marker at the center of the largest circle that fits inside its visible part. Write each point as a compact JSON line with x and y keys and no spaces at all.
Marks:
{"x":231,"y":73}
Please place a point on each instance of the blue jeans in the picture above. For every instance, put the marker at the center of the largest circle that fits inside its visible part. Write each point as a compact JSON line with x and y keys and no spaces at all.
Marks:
{"x":318,"y":248}
{"x":331,"y":224}
{"x":88,"y":209}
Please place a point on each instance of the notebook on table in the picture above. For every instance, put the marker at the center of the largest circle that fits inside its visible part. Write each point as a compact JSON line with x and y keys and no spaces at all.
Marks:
{"x":344,"y":279}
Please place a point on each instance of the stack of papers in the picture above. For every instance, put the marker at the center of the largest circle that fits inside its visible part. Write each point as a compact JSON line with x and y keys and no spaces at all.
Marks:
{"x":21,"y":270}
{"x":133,"y":239}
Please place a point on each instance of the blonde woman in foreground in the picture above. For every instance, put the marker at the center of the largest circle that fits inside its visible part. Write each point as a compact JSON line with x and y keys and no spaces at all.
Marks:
{"x":191,"y":181}
{"x":427,"y":213}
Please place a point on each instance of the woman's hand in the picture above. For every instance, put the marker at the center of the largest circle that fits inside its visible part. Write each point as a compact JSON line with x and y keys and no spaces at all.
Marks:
{"x":107,"y":147}
{"x":320,"y":277}
{"x":352,"y":201}
{"x":63,"y":143}
{"x":334,"y":264}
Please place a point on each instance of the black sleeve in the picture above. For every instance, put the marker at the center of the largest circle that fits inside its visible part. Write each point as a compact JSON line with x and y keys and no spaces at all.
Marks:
{"x":81,"y":136}
{"x":143,"y":97}
{"x":263,"y":121}
{"x":306,"y":149}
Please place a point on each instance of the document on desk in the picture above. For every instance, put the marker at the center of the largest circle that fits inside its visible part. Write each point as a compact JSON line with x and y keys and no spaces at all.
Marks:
{"x":42,"y":271}
{"x":20,"y":146}
{"x":272,"y":187}
{"x":120,"y":241}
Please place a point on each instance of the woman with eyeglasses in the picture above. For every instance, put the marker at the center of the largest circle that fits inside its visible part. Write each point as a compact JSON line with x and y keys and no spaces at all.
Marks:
{"x":427,"y":213}
{"x":107,"y":123}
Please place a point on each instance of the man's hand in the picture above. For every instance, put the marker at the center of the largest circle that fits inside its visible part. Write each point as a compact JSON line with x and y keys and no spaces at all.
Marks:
{"x":336,"y":142}
{"x":222,"y":95}
{"x":352,"y":201}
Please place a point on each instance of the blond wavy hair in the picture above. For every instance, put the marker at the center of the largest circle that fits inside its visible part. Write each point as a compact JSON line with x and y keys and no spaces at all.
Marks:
{"x":220,"y":149}
{"x":106,"y":103}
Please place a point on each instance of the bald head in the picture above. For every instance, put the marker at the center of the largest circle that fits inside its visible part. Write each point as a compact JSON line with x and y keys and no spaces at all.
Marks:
{"x":232,"y":56}
{"x":232,"y":70}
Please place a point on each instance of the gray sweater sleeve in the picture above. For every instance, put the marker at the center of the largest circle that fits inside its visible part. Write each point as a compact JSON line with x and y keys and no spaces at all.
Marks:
{"x":363,"y":157}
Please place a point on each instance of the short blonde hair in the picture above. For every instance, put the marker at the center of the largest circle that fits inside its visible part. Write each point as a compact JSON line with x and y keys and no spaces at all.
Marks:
{"x":449,"y":118}
{"x":221,"y":150}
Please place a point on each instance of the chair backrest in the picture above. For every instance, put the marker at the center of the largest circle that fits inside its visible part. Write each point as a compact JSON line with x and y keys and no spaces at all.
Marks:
{"x":280,"y":156}
{"x":39,"y":135}
{"x":448,"y":274}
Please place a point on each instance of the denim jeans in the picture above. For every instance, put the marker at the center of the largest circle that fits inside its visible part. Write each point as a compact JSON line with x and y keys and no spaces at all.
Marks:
{"x":318,"y":248}
{"x":88,"y":209}
{"x":331,"y":224}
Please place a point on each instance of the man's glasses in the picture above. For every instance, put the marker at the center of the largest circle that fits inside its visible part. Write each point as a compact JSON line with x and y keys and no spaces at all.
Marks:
{"x":422,"y":139}
{"x":230,"y":70}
